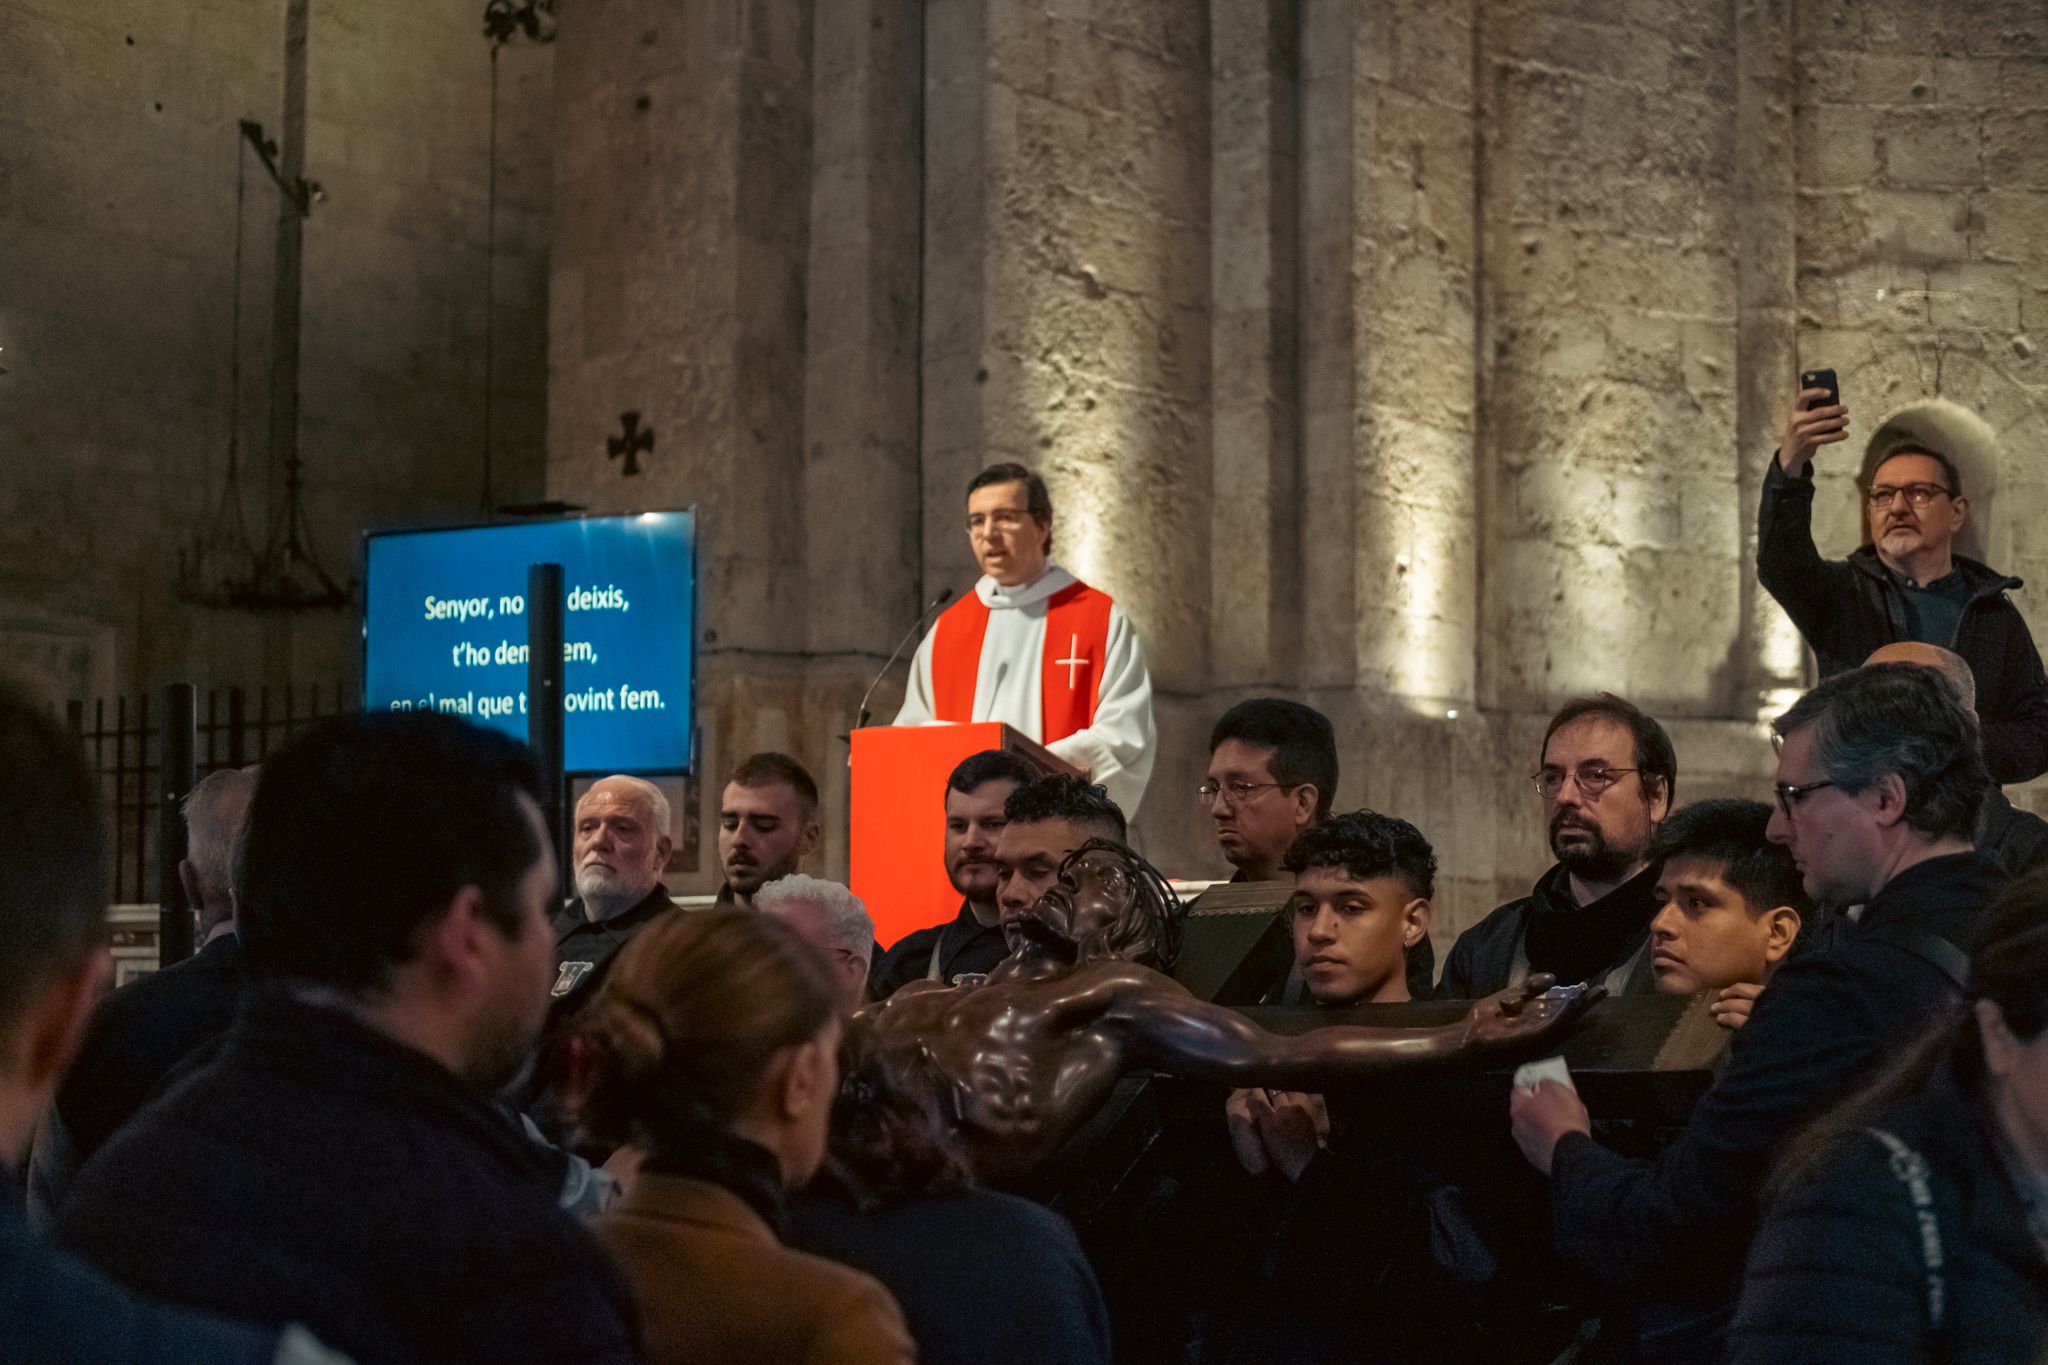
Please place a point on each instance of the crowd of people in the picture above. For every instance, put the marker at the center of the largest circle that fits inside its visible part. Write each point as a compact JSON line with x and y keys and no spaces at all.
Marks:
{"x":407,"y":1105}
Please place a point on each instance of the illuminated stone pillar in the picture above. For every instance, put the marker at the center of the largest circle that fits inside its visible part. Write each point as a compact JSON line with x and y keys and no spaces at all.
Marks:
{"x":1389,"y":519}
{"x":1767,"y":321}
{"x":1608,"y":210}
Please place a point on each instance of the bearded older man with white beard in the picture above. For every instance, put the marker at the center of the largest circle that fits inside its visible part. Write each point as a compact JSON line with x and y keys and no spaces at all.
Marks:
{"x":621,"y":845}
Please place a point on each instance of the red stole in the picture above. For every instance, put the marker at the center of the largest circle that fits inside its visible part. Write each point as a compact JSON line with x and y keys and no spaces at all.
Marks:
{"x":1070,"y":674}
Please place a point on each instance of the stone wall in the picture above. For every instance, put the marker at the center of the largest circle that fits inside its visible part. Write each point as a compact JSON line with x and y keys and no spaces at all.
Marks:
{"x":118,"y":151}
{"x":1418,"y":359}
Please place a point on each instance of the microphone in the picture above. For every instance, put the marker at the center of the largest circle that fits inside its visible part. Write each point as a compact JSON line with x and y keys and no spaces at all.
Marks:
{"x":945,"y":596}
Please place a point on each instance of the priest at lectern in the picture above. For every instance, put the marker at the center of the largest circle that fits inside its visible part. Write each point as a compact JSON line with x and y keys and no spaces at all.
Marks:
{"x":1036,"y":648}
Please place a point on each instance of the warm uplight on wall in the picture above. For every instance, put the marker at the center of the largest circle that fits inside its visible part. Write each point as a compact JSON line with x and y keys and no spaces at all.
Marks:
{"x":1430,"y":663}
{"x":1784,"y":664}
{"x":1093,"y":526}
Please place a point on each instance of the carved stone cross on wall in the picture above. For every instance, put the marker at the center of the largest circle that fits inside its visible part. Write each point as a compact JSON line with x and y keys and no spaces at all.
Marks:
{"x":629,"y":443}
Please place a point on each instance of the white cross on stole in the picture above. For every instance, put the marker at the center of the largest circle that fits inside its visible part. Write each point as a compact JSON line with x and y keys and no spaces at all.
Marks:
{"x":1074,"y":663}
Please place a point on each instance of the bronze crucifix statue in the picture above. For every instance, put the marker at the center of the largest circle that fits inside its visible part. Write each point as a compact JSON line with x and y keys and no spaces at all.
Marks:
{"x":1030,"y":1053}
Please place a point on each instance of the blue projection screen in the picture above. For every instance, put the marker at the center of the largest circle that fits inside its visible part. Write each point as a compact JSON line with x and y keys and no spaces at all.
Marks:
{"x":444,"y":628}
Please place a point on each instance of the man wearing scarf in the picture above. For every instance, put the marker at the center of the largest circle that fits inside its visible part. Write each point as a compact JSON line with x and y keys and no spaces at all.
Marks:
{"x":1607,"y":774}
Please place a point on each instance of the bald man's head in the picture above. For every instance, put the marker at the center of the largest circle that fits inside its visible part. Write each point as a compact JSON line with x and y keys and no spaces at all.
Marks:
{"x":215,"y":812}
{"x":1946,"y":662}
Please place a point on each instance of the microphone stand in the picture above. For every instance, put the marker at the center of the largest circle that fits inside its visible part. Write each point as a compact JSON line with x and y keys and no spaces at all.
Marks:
{"x":945,"y":596}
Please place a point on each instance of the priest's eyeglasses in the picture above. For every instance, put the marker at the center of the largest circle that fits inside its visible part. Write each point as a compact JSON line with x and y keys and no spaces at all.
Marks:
{"x":1918,"y":494}
{"x":1790,"y":796}
{"x":1592,"y":776}
{"x":1235,"y":790}
{"x":1003,"y":519}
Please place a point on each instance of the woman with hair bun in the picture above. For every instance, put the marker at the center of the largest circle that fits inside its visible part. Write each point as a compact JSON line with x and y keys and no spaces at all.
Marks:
{"x":1912,"y":1221}
{"x":710,"y":1046}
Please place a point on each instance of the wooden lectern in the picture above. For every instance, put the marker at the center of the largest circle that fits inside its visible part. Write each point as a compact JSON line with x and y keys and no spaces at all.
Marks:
{"x":898,"y":828}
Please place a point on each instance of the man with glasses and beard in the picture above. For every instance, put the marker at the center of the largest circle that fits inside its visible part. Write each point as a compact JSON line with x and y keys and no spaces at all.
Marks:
{"x":1906,"y":583}
{"x":1607,"y":774}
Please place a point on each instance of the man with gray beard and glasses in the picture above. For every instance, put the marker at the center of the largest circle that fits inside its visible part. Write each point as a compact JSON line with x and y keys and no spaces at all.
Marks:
{"x":1606,"y":774}
{"x":622,"y":842}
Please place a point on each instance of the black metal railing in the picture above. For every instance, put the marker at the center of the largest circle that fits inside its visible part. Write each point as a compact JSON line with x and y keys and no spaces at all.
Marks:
{"x":234,"y":727}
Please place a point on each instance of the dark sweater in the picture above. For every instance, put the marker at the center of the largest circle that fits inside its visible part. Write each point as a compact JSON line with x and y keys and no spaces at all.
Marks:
{"x":317,"y":1171}
{"x":1674,"y":1230}
{"x":983,"y":1278}
{"x":1838,"y":1275}
{"x":1846,"y":608}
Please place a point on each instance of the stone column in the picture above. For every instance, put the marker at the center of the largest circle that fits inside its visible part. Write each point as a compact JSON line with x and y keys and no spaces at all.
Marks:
{"x":1389,"y":518}
{"x":1329,"y":392}
{"x":1766,"y":326}
{"x":1255,"y":614}
{"x":681,"y":209}
{"x":861,"y":362}
{"x":860,"y":414}
{"x":1417,"y":543}
{"x":681,"y":217}
{"x":1613,"y":544}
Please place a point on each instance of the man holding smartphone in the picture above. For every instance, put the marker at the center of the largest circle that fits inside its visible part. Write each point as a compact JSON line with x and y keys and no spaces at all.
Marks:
{"x":1906,"y":584}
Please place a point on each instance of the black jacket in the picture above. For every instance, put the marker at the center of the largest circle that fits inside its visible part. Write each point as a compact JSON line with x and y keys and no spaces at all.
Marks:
{"x":2012,"y":840}
{"x":139,"y":1036}
{"x":56,"y":1310}
{"x":582,"y":947}
{"x":1839,"y":1274}
{"x":1847,"y":608}
{"x":983,"y":1278}
{"x":1482,"y":961}
{"x":965,"y":945}
{"x":1674,"y":1230}
{"x":317,"y":1171}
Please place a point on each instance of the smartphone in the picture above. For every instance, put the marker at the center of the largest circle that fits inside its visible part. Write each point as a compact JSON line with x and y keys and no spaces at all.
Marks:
{"x":1821,"y":379}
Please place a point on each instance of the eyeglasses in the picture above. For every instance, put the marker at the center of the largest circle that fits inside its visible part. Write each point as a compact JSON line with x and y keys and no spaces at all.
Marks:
{"x":1235,"y":790}
{"x":1789,"y":795}
{"x":1593,"y":778}
{"x":1003,"y":519}
{"x":1918,"y":494}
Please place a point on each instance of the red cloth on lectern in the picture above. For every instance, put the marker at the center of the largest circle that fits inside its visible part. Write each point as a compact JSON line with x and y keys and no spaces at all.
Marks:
{"x":1070,"y":676}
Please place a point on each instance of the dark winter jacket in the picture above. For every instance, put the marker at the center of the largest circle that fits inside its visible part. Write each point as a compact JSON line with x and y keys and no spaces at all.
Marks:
{"x":1839,"y":1273}
{"x":1673,"y":1232}
{"x":1846,"y":608}
{"x":318,"y":1171}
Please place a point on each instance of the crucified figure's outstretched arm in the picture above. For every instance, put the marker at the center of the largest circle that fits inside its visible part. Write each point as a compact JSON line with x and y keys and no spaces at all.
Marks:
{"x":1190,"y":1038}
